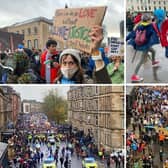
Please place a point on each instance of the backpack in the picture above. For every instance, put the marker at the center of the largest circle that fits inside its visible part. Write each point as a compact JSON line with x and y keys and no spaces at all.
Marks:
{"x":140,"y":37}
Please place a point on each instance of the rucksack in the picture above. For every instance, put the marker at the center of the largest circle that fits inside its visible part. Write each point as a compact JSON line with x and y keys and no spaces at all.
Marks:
{"x":140,"y":37}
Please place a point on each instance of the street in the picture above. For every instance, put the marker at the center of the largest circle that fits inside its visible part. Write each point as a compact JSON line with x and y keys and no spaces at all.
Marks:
{"x":149,"y":73}
{"x":75,"y":162}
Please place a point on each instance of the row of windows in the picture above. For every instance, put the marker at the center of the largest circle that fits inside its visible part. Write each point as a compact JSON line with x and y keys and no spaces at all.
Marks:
{"x":147,"y":1}
{"x":32,"y":43}
{"x":149,"y":8}
{"x":89,"y":91}
{"x":29,"y":31}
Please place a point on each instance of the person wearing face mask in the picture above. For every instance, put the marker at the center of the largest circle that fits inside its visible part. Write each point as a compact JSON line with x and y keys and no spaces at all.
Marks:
{"x":70,"y":71}
{"x":70,"y":62}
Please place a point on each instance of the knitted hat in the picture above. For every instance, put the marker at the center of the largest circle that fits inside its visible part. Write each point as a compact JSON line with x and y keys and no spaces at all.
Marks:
{"x":73,"y":52}
{"x":145,"y":17}
{"x":137,"y":18}
{"x":20,"y":46}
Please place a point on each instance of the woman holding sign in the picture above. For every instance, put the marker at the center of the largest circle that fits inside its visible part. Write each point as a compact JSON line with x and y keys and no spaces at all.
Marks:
{"x":70,"y":62}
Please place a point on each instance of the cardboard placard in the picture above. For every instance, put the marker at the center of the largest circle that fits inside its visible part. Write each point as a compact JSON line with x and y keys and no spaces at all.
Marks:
{"x":116,"y":46}
{"x":72,"y":26}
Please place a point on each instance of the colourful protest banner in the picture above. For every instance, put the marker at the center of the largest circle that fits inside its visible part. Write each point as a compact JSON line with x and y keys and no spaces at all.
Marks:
{"x":72,"y":26}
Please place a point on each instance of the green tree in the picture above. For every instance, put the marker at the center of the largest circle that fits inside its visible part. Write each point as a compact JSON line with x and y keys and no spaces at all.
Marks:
{"x":55,"y":107}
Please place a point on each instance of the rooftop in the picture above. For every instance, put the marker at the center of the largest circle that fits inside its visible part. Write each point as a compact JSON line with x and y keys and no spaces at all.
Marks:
{"x":38,"y":19}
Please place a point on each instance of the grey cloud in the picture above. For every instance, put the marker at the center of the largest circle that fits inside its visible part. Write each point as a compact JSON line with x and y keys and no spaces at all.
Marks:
{"x":21,"y":10}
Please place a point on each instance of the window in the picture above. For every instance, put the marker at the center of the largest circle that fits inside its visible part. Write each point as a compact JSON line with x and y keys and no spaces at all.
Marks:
{"x":149,"y":7}
{"x":27,"y":108}
{"x":29,"y":31}
{"x":23,"y":32}
{"x":141,"y":7}
{"x":29,"y":44}
{"x":36,"y":43}
{"x":35,"y":30}
{"x":96,"y":120}
{"x":50,"y":29}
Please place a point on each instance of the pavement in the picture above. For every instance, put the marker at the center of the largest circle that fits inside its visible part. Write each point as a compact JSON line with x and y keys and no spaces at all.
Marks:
{"x":149,"y":73}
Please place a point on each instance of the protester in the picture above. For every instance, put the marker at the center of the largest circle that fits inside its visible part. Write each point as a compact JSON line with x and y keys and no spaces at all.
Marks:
{"x":160,"y":26}
{"x":70,"y":63}
{"x":116,"y":70}
{"x":141,"y":41}
{"x":49,"y":64}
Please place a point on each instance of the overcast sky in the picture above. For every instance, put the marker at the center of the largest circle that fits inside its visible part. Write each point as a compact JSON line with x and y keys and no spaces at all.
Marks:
{"x":38,"y":92}
{"x":20,"y":10}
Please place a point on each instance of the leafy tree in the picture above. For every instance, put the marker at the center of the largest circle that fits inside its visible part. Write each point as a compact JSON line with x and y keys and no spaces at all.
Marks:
{"x":55,"y":107}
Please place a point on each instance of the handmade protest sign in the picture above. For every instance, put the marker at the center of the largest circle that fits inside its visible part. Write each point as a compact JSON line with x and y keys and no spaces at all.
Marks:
{"x":72,"y":26}
{"x":116,"y":46}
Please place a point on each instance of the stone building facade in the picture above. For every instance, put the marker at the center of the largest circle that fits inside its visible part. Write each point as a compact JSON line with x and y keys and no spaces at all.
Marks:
{"x":146,"y":5}
{"x":16,"y":105}
{"x":36,"y":31}
{"x":10,"y":105}
{"x":31,"y":106}
{"x":5,"y":109}
{"x":98,"y":110}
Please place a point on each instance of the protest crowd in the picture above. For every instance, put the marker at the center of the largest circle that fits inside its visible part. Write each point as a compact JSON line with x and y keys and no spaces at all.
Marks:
{"x":147,"y":132}
{"x":72,"y":64}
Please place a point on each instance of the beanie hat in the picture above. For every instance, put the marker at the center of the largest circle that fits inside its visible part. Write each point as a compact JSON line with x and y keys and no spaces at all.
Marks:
{"x":145,"y":17}
{"x":20,"y":46}
{"x":137,"y":18}
{"x":73,"y":52}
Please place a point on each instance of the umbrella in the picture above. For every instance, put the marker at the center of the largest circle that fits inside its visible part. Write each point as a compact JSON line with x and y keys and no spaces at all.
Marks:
{"x":156,"y":93}
{"x":84,"y":148}
{"x":166,"y":128}
{"x":149,"y":126}
{"x":37,"y":145}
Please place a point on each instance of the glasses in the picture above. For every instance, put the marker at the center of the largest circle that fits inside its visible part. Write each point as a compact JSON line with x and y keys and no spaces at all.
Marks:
{"x":70,"y":63}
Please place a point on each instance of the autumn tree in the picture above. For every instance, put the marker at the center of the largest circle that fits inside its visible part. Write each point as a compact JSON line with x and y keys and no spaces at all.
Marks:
{"x":55,"y":107}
